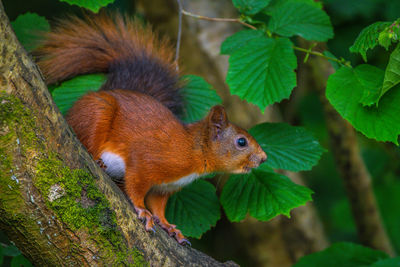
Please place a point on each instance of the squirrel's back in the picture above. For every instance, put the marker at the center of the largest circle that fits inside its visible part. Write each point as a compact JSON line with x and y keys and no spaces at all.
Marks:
{"x":131,"y":54}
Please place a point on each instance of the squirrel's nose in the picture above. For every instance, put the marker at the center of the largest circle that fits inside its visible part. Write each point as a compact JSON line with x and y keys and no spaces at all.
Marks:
{"x":263,"y":158}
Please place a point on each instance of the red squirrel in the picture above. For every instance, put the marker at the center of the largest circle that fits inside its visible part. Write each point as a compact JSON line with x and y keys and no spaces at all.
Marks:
{"x":129,"y":125}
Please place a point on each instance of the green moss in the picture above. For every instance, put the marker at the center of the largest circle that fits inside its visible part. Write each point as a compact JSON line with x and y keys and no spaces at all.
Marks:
{"x":71,"y":194}
{"x":11,"y":114}
{"x":18,"y":120}
{"x":81,"y":205}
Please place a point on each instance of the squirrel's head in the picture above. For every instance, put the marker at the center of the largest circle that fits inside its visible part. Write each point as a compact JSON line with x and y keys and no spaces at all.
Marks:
{"x":233,"y":149}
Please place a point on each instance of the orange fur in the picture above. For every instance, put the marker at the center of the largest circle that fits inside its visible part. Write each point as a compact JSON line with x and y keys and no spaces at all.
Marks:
{"x":158,"y":152}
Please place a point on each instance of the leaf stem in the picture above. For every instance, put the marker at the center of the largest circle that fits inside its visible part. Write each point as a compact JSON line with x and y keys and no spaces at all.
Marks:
{"x":308,"y":51}
{"x":315,"y":53}
{"x":187,"y":13}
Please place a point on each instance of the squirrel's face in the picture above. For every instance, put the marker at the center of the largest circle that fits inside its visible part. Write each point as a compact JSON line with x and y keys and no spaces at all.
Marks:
{"x":235,"y":150}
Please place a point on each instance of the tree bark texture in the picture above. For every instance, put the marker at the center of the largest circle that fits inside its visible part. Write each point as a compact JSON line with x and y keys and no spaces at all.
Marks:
{"x":42,"y":162}
{"x":282,"y":241}
{"x":354,"y":173}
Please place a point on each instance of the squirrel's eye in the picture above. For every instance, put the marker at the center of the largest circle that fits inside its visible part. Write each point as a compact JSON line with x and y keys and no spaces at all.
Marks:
{"x":242,"y":142}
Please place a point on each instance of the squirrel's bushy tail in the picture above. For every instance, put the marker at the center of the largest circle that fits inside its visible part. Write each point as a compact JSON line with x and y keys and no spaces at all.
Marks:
{"x":131,"y":54}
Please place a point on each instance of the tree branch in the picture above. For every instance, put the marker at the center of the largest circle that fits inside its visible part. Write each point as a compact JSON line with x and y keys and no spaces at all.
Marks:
{"x":187,"y":13}
{"x":41,"y":162}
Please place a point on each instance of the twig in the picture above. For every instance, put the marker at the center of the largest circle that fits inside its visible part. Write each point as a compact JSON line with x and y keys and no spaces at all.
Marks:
{"x":187,"y":13}
{"x":178,"y":42}
{"x":315,"y":53}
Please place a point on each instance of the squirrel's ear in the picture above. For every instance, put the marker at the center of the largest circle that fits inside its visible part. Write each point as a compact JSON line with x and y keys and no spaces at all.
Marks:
{"x":217,"y":120}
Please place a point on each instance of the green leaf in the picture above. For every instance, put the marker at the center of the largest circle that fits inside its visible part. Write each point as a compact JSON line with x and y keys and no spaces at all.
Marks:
{"x":1,"y":256}
{"x":384,"y":39}
{"x":250,"y":7}
{"x":27,"y":28}
{"x":344,"y":91}
{"x":311,"y":2}
{"x":262,"y":72}
{"x":342,"y":254}
{"x":371,"y":81}
{"x":238,"y":40}
{"x":392,"y":72}
{"x":263,"y":193}
{"x":69,"y":91}
{"x":93,"y":5}
{"x":11,"y":251}
{"x":287,"y":147}
{"x":368,"y":38}
{"x":198,"y":98}
{"x":289,"y":18}
{"x":393,"y":262}
{"x":20,"y":261}
{"x":194,"y":209}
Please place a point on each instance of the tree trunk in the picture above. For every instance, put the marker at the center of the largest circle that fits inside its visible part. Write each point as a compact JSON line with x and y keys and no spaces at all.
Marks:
{"x":56,"y":204}
{"x":351,"y":166}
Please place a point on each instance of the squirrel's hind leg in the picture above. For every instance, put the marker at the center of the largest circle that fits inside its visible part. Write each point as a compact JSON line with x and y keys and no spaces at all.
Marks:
{"x":157,"y":202}
{"x":136,"y":189}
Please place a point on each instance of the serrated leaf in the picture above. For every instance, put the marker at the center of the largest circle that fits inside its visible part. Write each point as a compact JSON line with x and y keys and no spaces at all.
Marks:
{"x":250,"y":7}
{"x":263,"y":193}
{"x":262,"y":72}
{"x":93,"y":5}
{"x":368,"y":38}
{"x":69,"y":91}
{"x":27,"y":28}
{"x":393,"y":262}
{"x":344,"y":91}
{"x":194,"y":209}
{"x":198,"y":97}
{"x":238,"y":40}
{"x":392,"y":72}
{"x":384,"y":39}
{"x":342,"y":254}
{"x":290,"y":18}
{"x":287,"y":147}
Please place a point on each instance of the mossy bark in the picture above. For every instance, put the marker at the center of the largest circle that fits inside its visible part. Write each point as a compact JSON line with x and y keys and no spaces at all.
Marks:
{"x":56,"y":204}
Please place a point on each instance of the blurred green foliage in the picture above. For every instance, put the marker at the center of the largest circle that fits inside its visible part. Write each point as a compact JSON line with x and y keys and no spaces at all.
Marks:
{"x":382,"y":160}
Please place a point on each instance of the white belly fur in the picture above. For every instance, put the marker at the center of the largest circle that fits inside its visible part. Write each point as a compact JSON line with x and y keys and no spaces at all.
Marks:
{"x":116,"y":169}
{"x":115,"y":164}
{"x":174,"y":186}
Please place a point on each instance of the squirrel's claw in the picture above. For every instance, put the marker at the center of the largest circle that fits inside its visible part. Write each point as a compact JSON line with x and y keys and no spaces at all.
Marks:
{"x":100,"y":162}
{"x":147,"y":218}
{"x":172,"y":231}
{"x":185,"y":242}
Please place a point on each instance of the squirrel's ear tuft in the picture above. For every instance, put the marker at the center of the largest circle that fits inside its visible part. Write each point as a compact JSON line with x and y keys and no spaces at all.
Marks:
{"x":218,"y":120}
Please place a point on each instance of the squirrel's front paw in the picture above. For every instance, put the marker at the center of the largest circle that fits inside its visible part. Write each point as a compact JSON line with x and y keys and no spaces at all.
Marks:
{"x":147,"y":218}
{"x":179,"y":236}
{"x":172,"y":231}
